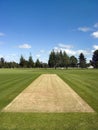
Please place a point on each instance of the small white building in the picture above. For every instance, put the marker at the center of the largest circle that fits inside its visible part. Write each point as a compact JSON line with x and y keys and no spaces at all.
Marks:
{"x":90,"y":67}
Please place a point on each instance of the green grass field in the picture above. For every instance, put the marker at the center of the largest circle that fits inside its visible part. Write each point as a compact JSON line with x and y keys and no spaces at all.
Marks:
{"x":84,"y":82}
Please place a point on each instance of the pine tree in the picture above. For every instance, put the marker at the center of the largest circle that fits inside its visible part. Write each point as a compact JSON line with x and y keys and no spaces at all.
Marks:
{"x":2,"y":62}
{"x":22,"y":62}
{"x":95,"y":59}
{"x":30,"y":62}
{"x":66,"y":60}
{"x":52,"y":59}
{"x":37,"y":64}
{"x":60,"y":59}
{"x":82,"y":61}
{"x":73,"y":61}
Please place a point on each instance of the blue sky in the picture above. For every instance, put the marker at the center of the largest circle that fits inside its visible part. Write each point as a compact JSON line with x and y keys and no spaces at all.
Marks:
{"x":38,"y":26}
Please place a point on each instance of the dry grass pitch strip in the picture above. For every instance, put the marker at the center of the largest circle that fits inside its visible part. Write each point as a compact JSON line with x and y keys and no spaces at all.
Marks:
{"x":48,"y":93}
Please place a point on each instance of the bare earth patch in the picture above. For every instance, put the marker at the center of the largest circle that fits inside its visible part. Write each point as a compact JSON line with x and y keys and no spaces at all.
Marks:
{"x":48,"y":93}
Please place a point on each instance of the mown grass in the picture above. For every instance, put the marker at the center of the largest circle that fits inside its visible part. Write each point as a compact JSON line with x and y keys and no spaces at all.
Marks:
{"x":52,"y":121}
{"x":84,"y":82}
{"x":12,"y":82}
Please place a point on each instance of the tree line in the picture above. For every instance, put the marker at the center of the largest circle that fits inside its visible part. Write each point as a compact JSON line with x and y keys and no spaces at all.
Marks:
{"x":31,"y":64}
{"x":56,"y":59}
{"x":61,"y":59}
{"x":23,"y":63}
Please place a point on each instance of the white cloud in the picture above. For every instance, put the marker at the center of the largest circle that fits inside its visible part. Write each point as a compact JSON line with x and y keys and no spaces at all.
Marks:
{"x":95,"y":47}
{"x":95,"y":34}
{"x":65,"y":46}
{"x":92,"y":51}
{"x":96,"y":25}
{"x":84,"y":29}
{"x":11,"y":57}
{"x":55,"y":48}
{"x":77,"y":52}
{"x":1,"y":55}
{"x":38,"y":55}
{"x":25,"y":46}
{"x":68,"y":49}
{"x":70,"y":52}
{"x":85,"y":52}
{"x":2,"y":34}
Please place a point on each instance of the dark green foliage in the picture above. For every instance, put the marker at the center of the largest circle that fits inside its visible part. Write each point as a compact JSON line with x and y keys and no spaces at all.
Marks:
{"x":82,"y":61}
{"x":37,"y":63}
{"x":30,"y":62}
{"x":4,"y":64}
{"x":95,"y":59}
{"x":11,"y":65}
{"x":66,"y":60}
{"x":61,"y":58}
{"x":2,"y":61}
{"x":23,"y":62}
{"x":73,"y":61}
{"x":52,"y":59}
{"x":58,"y":59}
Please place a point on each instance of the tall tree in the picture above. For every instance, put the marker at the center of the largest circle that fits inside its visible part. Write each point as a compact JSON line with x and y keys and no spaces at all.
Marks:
{"x":66,"y":60}
{"x":82,"y":61}
{"x":22,"y":62}
{"x":57,"y":59}
{"x":37,"y":64}
{"x":2,"y":62}
{"x":73,"y":61}
{"x":52,"y":59}
{"x":95,"y":59}
{"x":60,"y":59}
{"x":30,"y":62}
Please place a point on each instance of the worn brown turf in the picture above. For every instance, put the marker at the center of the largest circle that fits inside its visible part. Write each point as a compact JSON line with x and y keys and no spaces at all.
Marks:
{"x":48,"y":93}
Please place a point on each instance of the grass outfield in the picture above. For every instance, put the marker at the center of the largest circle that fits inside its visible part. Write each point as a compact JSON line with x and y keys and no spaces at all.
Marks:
{"x":84,"y":82}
